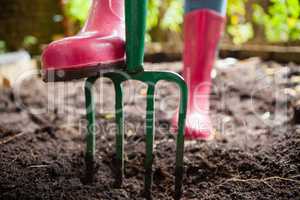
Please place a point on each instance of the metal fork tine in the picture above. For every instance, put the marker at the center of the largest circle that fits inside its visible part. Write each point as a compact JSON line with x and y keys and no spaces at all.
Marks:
{"x":91,"y":131}
{"x":120,"y":132}
{"x":150,"y":78}
{"x":150,"y":128}
{"x":180,"y":140}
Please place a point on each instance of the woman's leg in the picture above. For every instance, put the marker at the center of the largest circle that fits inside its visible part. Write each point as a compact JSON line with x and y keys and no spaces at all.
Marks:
{"x":216,"y":5}
{"x":204,"y":21}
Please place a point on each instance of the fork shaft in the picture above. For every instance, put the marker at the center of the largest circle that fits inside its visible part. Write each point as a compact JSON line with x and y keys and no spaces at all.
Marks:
{"x":135,"y":16}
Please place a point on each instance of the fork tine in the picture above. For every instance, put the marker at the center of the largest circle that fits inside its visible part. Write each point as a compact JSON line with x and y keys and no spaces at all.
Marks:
{"x":150,"y":128}
{"x":91,"y":131}
{"x":120,"y":132}
{"x":180,"y":139}
{"x":151,"y":78}
{"x":154,"y":77}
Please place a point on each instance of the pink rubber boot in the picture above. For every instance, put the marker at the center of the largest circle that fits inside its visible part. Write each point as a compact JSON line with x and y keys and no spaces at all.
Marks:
{"x":202,"y":31}
{"x":100,"y":44}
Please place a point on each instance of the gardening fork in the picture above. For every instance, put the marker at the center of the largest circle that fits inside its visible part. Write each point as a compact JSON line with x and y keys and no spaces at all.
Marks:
{"x":135,"y":18}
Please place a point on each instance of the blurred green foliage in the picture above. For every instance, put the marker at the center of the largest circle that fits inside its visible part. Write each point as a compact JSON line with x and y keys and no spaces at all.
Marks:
{"x":77,"y":10}
{"x":171,"y":14}
{"x":238,"y":28}
{"x":29,"y":41}
{"x":280,"y":20}
{"x":2,"y":46}
{"x":164,"y":15}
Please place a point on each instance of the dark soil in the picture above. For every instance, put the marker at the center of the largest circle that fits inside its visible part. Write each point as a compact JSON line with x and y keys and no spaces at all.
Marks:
{"x":255,"y":153}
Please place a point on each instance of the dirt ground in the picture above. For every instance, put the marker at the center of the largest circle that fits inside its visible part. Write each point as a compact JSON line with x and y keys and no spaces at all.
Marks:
{"x":255,"y":153}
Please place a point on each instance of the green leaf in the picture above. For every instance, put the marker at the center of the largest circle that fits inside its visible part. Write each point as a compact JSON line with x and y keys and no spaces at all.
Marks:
{"x":241,"y":33}
{"x":78,"y":9}
{"x":29,"y":41}
{"x":2,"y":46}
{"x":259,"y":15}
{"x":173,"y":16}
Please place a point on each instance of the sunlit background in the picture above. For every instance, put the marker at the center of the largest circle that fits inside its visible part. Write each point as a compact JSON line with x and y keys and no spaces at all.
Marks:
{"x":33,"y":23}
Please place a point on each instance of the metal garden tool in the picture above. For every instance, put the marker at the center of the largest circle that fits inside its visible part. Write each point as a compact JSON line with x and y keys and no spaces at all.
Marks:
{"x":98,"y":50}
{"x":135,"y":18}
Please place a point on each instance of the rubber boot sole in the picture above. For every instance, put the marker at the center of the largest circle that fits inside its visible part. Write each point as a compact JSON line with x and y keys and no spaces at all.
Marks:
{"x":59,"y":75}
